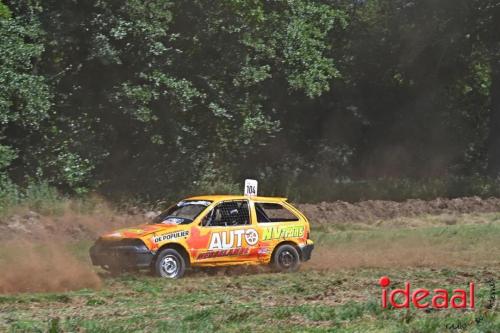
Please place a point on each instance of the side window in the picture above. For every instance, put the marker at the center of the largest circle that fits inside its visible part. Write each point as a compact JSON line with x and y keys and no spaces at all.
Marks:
{"x":228,"y":213}
{"x":273,"y":212}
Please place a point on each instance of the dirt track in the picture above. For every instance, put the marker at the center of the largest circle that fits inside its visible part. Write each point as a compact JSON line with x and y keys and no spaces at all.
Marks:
{"x":37,"y":246}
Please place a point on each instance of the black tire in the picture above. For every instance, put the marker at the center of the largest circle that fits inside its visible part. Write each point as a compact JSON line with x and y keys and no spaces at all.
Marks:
{"x":286,"y":258}
{"x":170,"y":264}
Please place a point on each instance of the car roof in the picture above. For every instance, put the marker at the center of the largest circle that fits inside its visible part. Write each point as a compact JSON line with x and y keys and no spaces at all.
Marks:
{"x":220,"y":197}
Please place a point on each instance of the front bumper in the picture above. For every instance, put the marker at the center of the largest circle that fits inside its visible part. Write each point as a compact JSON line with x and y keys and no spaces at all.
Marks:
{"x":124,"y":253}
{"x":306,"y":251}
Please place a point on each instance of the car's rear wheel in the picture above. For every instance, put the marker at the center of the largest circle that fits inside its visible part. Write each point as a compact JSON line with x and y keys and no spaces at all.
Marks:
{"x":170,"y":264}
{"x":286,"y":258}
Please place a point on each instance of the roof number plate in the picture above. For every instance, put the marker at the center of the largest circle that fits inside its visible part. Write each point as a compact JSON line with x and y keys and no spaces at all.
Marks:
{"x":250,"y":187}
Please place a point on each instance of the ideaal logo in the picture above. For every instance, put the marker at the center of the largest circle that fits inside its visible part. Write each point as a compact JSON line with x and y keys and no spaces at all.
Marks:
{"x":438,"y":299}
{"x":226,"y":240}
{"x":489,"y":306}
{"x":422,"y":298}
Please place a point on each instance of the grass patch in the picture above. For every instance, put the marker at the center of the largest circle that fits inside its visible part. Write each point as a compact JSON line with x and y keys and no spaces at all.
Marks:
{"x":321,"y":306}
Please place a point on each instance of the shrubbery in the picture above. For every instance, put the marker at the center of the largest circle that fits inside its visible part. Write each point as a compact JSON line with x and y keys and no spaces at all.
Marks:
{"x":153,"y":100}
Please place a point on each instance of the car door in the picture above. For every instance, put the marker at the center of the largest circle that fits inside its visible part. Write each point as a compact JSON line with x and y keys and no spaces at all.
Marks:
{"x":230,"y":233}
{"x":276,"y":223}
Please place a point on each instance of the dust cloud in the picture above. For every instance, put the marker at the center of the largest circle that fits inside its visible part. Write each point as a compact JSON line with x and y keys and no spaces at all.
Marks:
{"x":36,"y":251}
{"x":43,"y":267}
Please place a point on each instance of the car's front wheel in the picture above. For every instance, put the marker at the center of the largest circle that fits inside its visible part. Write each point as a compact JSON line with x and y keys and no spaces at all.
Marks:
{"x":170,"y":264}
{"x":286,"y":258}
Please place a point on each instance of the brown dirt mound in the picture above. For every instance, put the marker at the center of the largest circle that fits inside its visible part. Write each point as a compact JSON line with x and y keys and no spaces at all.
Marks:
{"x":374,"y":210}
{"x":80,"y":226}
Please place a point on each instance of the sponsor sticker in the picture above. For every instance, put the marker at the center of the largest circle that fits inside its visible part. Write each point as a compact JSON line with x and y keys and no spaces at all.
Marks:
{"x":263,"y":251}
{"x":251,"y":236}
{"x":282,"y":232}
{"x":171,"y":235}
{"x":224,"y":253}
{"x":226,"y":240}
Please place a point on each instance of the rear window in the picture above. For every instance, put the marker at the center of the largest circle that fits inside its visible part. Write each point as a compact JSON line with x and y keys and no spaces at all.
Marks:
{"x":273,"y":212}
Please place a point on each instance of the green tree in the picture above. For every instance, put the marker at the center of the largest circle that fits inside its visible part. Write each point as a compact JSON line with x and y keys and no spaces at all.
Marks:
{"x":168,"y":93}
{"x":24,"y":94}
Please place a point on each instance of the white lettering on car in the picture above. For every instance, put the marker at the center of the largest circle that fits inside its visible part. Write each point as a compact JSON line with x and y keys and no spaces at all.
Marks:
{"x":225,"y":240}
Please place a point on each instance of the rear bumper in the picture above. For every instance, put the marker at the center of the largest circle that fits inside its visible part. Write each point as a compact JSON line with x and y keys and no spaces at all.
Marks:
{"x":306,"y":251}
{"x":124,"y":254}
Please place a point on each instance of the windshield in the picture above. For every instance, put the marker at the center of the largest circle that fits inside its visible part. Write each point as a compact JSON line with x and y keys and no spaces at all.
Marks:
{"x":183,"y":213}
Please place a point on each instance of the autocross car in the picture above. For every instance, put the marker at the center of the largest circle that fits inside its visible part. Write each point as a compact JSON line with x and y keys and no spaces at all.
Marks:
{"x":214,"y":230}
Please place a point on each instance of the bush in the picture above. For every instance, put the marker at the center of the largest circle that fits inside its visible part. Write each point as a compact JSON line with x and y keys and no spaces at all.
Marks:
{"x":43,"y":198}
{"x":9,"y":195}
{"x":39,"y":197}
{"x":305,"y":189}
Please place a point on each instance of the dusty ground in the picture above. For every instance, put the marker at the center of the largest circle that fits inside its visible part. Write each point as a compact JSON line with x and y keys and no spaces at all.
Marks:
{"x":50,"y":253}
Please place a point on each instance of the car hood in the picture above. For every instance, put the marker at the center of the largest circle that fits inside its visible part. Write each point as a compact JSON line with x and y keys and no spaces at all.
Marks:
{"x":139,"y":231}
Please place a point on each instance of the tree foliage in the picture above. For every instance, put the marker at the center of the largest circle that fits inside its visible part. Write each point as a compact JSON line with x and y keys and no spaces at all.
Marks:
{"x":25,"y":98}
{"x":158,"y":98}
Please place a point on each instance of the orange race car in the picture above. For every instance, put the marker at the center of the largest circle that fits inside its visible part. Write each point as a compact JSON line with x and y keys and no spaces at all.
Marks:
{"x":212,"y":230}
